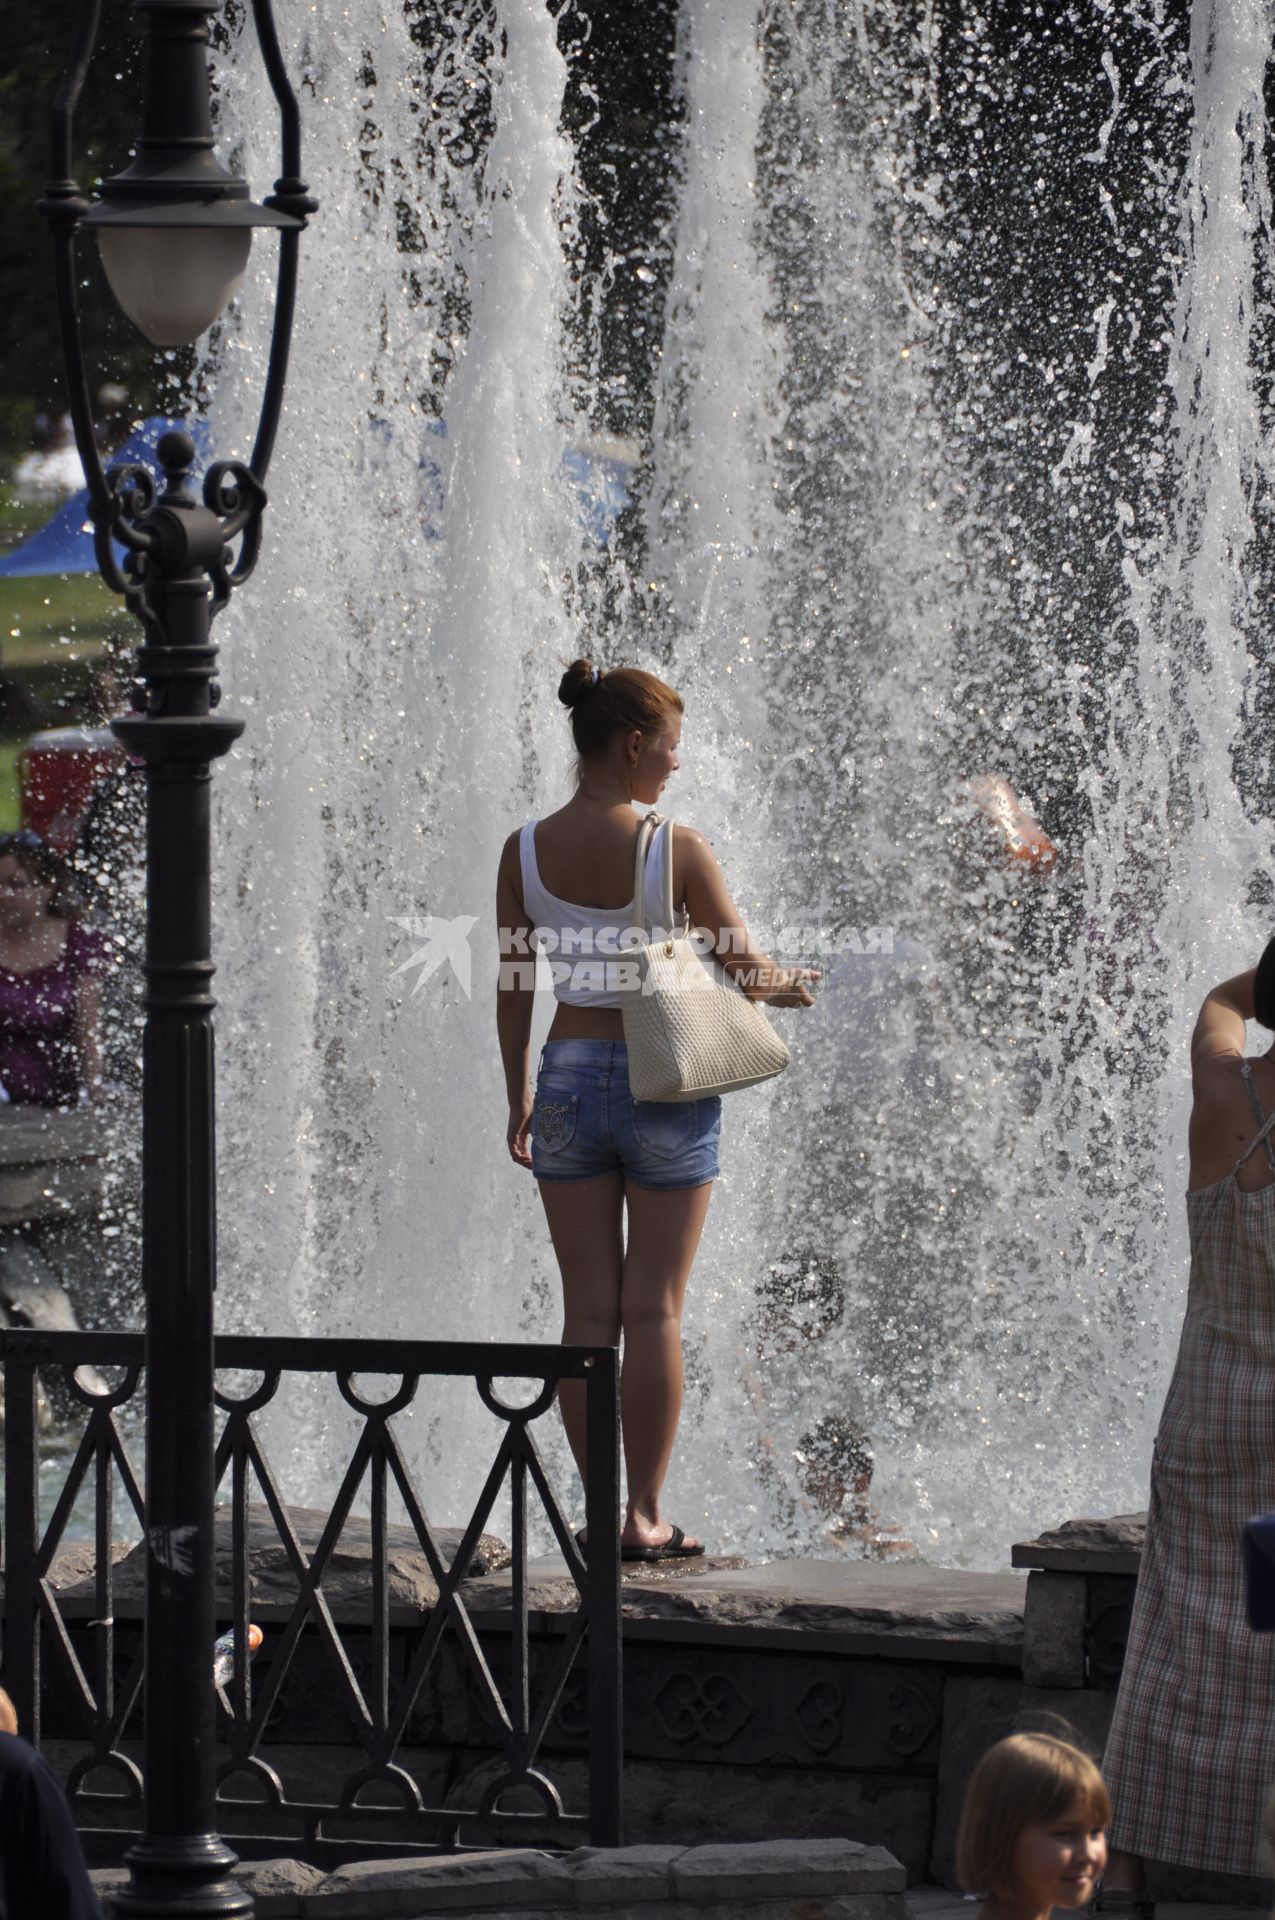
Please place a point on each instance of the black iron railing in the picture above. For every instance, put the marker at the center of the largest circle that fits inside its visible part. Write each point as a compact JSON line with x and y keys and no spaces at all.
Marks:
{"x":385,"y":1689}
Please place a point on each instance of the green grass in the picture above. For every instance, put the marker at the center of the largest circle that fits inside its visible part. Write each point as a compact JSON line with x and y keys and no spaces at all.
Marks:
{"x":55,"y":629}
{"x":10,"y":796}
{"x":56,"y":619}
{"x":52,"y":626}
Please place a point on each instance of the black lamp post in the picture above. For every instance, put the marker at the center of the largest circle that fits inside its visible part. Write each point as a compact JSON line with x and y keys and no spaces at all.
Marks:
{"x":174,"y":232}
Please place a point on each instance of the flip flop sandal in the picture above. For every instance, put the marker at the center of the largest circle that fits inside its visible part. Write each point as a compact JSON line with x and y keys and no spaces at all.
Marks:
{"x":674,"y":1548}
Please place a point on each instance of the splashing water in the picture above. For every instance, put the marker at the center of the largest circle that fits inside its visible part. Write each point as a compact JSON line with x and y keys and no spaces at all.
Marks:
{"x":957,"y":463}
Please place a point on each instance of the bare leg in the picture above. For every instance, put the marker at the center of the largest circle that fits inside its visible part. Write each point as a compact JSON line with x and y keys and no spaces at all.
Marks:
{"x":585,"y":1224}
{"x":664,"y":1232}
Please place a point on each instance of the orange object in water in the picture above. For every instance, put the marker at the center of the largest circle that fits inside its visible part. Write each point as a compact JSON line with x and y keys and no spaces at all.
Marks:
{"x":1025,"y":840}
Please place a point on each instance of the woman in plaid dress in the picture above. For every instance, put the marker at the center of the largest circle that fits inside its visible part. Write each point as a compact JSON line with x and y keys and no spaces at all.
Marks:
{"x":1191,"y":1754}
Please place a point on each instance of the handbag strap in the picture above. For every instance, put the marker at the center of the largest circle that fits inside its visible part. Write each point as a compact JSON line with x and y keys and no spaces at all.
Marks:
{"x":646,"y":833}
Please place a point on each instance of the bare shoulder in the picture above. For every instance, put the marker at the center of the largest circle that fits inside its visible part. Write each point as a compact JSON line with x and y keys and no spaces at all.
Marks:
{"x":691,"y":848}
{"x":509,"y":872}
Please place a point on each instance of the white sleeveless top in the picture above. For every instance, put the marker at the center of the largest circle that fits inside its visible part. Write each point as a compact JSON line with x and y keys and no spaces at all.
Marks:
{"x":587,"y":947}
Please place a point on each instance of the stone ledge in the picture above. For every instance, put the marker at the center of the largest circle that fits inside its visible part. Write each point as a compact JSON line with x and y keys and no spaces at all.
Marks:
{"x":903,"y":1611}
{"x":347,"y":1577}
{"x":682,"y":1880}
{"x":855,"y":1608}
{"x":1113,"y":1545}
{"x":787,"y":1868}
{"x":771,"y":1879}
{"x":846,"y":1906}
{"x":498,"y":1882}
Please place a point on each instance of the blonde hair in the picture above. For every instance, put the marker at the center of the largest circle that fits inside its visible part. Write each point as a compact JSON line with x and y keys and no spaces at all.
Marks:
{"x":625,"y":700}
{"x":1024,"y":1781}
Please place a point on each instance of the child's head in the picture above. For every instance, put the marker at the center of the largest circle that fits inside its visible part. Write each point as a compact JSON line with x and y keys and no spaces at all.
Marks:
{"x":1034,"y":1812}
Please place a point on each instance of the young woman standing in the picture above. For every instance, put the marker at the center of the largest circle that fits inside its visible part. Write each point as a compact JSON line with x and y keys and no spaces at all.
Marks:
{"x":603,"y":1160}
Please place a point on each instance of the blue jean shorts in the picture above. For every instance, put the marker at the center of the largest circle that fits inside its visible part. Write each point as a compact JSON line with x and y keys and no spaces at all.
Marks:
{"x":586,"y":1122}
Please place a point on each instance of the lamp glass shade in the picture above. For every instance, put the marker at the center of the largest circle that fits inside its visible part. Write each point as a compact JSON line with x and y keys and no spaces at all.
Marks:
{"x":174,"y":281}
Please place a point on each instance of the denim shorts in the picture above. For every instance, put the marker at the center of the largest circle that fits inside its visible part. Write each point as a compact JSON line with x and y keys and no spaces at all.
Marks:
{"x":586,"y":1122}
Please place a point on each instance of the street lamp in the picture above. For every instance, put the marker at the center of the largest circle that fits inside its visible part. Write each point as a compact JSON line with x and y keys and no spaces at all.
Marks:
{"x":174,"y":231}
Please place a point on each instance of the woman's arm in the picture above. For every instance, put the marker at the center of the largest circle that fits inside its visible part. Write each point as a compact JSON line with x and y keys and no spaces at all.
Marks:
{"x":88,"y":1032}
{"x":714,"y":912}
{"x":1219,"y":1037}
{"x":1221,"y":1121}
{"x":515,"y":996}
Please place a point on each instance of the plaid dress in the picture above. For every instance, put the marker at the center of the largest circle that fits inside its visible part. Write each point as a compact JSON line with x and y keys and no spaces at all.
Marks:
{"x":1190,"y":1758}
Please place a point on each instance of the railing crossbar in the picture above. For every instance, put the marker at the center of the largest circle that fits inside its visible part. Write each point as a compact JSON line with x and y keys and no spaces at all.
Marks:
{"x":124,"y":1462}
{"x":104,"y":1583}
{"x":520,"y":1678}
{"x":126,"y":1697}
{"x":557,"y":1518}
{"x":380,"y":1595}
{"x":240,"y":1695}
{"x":310,"y":1600}
{"x":51,"y":1539}
{"x":51,"y":1614}
{"x":572,"y":1642}
{"x":449,"y":1608}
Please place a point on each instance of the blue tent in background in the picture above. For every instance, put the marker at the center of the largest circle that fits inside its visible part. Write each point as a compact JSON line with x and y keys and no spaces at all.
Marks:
{"x":601,"y":479}
{"x":65,"y":543}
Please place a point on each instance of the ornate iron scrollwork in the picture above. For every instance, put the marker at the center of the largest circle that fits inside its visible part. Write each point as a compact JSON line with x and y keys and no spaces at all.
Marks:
{"x":381,"y":1697}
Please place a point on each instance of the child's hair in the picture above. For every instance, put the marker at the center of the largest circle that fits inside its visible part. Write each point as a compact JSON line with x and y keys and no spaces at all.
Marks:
{"x":1028,"y":1779}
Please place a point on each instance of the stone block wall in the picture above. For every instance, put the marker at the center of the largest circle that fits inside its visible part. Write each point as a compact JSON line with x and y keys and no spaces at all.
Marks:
{"x":814,"y":1700}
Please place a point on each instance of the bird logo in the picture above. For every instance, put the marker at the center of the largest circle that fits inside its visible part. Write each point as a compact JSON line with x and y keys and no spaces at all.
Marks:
{"x":443,"y":942}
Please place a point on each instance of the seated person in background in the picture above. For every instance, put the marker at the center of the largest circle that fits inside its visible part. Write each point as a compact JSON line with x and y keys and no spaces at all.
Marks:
{"x":1033,"y":1829}
{"x":51,"y":970}
{"x":834,"y":1464}
{"x":42,"y":1871}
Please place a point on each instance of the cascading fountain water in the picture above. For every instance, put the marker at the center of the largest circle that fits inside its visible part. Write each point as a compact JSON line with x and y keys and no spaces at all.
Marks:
{"x":957,"y":465}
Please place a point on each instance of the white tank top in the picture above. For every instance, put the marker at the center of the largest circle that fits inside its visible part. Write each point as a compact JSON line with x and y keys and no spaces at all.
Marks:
{"x":586,"y":947}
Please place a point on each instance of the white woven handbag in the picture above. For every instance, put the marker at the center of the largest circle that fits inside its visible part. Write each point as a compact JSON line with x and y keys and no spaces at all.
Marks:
{"x":690,"y":1031}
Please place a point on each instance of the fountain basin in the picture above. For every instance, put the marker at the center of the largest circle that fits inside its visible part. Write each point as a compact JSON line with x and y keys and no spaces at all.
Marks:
{"x":813,"y":1699}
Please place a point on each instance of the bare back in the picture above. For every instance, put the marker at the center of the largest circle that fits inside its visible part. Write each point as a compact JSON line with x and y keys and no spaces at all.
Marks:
{"x":1224,"y":1125}
{"x":585,"y":853}
{"x":585,"y":856}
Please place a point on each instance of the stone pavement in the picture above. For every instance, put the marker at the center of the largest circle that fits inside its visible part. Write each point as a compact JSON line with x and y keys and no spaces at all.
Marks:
{"x":935,"y":1903}
{"x":771,"y":1880}
{"x":763,"y":1880}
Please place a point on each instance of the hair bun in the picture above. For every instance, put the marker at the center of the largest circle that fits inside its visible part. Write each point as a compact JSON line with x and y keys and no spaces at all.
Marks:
{"x":581,"y":677}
